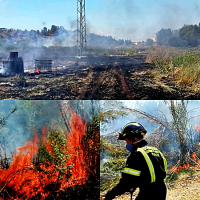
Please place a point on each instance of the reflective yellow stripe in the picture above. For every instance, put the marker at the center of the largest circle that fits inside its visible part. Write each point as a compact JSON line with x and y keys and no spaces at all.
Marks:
{"x":154,"y":152}
{"x":131,"y":171}
{"x":165,"y":161}
{"x":149,"y":163}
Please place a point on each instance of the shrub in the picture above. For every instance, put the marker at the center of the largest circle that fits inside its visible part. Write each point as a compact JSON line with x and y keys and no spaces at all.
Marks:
{"x":54,"y":153}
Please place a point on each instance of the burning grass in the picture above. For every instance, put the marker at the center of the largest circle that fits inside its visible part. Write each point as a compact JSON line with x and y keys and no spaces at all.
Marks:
{"x":190,"y":164}
{"x":54,"y":165}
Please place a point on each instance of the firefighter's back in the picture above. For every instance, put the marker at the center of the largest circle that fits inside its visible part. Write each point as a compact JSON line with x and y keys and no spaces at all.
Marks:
{"x":153,"y":173}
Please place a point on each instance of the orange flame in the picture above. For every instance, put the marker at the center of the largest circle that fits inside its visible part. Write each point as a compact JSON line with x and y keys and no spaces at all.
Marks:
{"x":193,"y":156}
{"x":63,"y":111}
{"x":177,"y":169}
{"x":24,"y":181}
{"x":37,"y":70}
{"x":197,"y":128}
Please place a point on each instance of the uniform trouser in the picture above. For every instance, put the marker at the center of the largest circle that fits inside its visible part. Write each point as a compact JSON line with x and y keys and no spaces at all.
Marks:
{"x":155,"y":191}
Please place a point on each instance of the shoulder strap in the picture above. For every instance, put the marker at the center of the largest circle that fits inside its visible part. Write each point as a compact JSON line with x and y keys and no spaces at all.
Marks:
{"x":155,"y":152}
{"x":149,"y":163}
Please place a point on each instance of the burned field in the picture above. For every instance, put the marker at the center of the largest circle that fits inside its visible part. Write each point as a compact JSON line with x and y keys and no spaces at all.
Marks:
{"x":92,"y":77}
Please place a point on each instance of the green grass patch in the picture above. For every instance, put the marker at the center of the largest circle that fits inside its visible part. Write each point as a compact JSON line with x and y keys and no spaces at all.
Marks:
{"x":110,"y":183}
{"x":188,"y":171}
{"x":171,"y":177}
{"x":188,"y":58}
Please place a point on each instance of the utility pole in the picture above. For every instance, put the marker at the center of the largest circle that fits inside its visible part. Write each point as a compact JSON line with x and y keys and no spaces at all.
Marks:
{"x":81,"y":26}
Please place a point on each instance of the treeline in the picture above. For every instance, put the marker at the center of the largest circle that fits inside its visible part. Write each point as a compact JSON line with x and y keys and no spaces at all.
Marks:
{"x":59,"y":32}
{"x":8,"y":34}
{"x":187,"y":36}
{"x":97,"y":40}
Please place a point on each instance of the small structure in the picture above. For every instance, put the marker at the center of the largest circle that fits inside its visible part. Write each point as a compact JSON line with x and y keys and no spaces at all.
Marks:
{"x":13,"y":66}
{"x":43,"y":65}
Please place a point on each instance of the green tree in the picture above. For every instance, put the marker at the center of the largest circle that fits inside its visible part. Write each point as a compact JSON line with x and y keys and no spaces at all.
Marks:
{"x":176,"y":42}
{"x":191,"y":34}
{"x":53,"y":29}
{"x":163,"y":36}
{"x":149,"y":42}
{"x":44,"y":31}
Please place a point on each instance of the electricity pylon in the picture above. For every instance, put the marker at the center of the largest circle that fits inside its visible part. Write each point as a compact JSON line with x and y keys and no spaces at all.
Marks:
{"x":81,"y":26}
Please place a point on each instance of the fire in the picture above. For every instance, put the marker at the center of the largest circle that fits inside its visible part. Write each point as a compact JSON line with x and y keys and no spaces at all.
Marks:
{"x":63,"y":111}
{"x":197,"y":128}
{"x":37,"y":70}
{"x":23,"y":181}
{"x":177,"y":168}
{"x":194,"y":157}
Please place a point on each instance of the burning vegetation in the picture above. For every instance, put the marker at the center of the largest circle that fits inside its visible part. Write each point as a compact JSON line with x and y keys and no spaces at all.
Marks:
{"x":172,"y":131}
{"x":55,"y":166}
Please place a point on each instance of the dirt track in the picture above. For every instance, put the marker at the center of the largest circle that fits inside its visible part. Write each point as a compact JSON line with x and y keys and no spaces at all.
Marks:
{"x":116,"y":77}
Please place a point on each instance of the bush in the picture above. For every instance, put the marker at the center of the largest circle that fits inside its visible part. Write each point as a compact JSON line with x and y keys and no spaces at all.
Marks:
{"x":112,"y":150}
{"x":113,"y":165}
{"x":20,"y":79}
{"x":53,"y":152}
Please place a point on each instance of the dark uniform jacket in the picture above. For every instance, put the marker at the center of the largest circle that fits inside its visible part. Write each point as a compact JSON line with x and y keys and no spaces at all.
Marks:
{"x":146,"y":168}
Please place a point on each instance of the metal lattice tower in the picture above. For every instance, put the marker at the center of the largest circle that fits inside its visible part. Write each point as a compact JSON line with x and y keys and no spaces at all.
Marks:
{"x":81,"y":26}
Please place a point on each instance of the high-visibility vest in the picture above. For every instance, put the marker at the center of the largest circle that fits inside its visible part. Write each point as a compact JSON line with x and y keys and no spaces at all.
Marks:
{"x":145,"y":150}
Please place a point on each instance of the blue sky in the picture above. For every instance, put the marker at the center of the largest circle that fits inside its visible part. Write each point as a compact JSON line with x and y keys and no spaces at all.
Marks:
{"x":127,"y":19}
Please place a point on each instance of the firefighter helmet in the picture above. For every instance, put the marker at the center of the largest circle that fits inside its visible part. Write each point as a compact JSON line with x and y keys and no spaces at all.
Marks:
{"x":132,"y":130}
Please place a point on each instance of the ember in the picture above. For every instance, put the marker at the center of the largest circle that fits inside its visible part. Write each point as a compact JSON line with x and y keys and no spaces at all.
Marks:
{"x":23,"y":180}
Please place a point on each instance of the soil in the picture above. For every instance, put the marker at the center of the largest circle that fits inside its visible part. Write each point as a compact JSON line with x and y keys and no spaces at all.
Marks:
{"x":103,"y":77}
{"x":185,"y":188}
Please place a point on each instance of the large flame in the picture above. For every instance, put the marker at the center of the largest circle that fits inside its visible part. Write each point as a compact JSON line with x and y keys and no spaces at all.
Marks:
{"x":23,"y":181}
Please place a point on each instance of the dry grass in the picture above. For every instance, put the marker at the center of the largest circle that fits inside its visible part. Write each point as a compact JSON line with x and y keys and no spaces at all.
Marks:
{"x":178,"y":66}
{"x":162,"y":53}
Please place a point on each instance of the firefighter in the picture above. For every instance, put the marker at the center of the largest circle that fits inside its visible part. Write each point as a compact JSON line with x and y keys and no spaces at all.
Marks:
{"x":146,"y":167}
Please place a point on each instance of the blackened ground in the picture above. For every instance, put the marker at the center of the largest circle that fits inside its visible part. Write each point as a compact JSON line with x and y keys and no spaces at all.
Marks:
{"x":105,"y":77}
